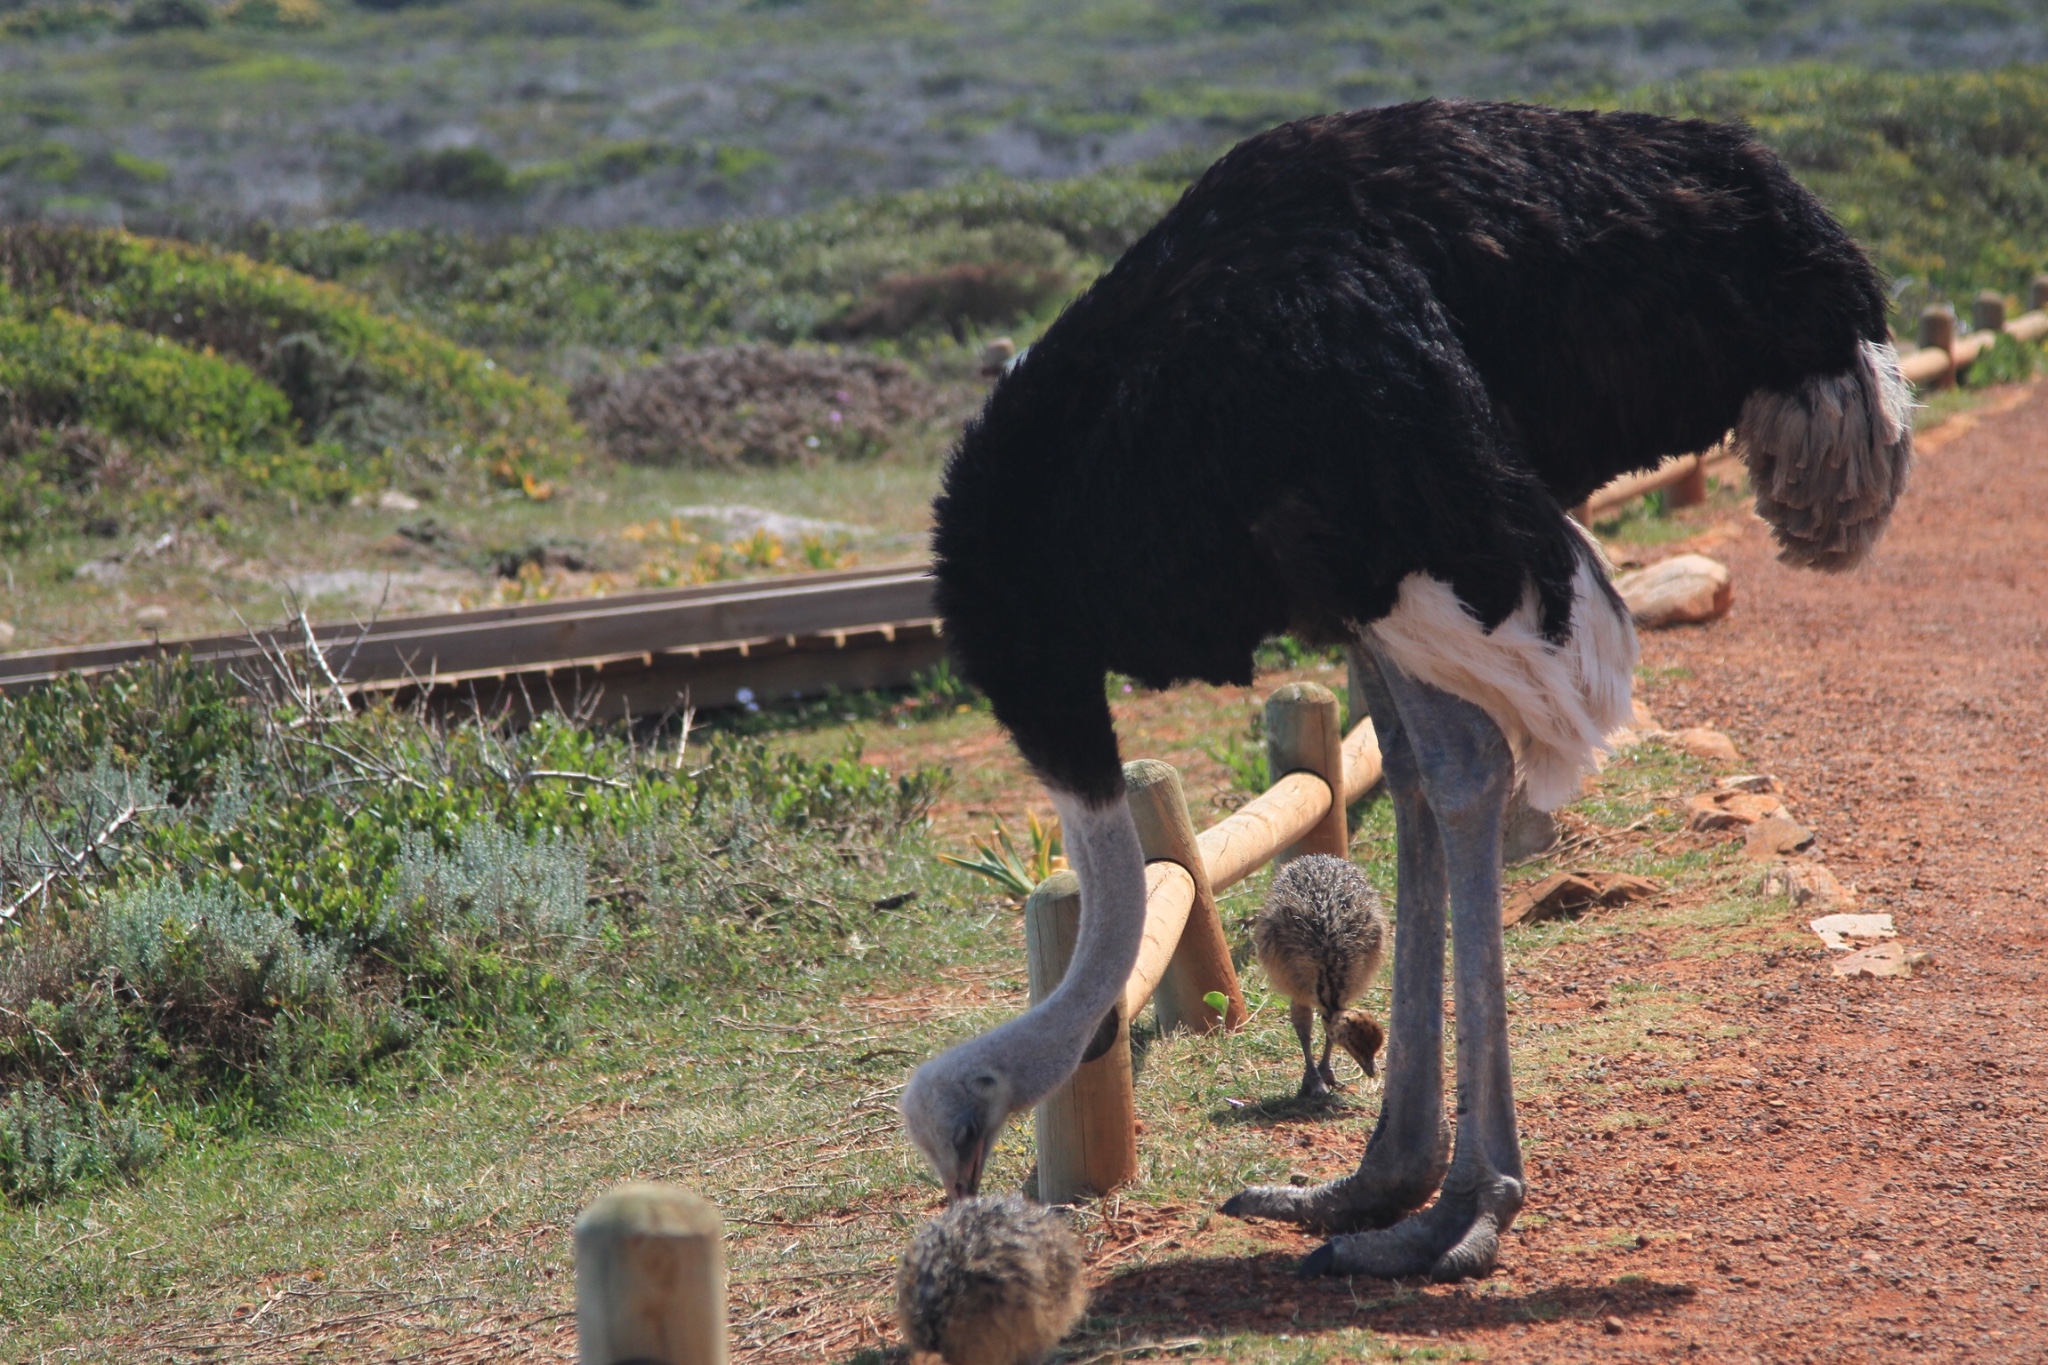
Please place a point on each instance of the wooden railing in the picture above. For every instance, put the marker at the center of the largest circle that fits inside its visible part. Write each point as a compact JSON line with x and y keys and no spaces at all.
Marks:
{"x":1087,"y":1129}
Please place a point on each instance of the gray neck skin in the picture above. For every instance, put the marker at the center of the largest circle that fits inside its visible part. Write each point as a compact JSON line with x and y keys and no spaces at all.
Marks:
{"x":1040,"y":1048}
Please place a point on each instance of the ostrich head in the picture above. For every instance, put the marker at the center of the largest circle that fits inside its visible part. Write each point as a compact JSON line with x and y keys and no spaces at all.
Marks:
{"x":956,"y":1104}
{"x":953,"y":1108}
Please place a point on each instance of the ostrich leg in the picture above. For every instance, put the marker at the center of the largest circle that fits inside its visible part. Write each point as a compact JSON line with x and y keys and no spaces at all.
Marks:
{"x":1467,"y":773}
{"x":1405,"y":1158}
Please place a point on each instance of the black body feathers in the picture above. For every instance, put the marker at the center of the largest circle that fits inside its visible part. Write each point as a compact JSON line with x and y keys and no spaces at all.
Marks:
{"x":1359,"y":347}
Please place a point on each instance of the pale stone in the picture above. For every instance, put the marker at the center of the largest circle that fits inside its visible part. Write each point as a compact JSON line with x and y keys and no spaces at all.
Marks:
{"x":391,"y":500}
{"x":1836,"y":930}
{"x":1774,"y":836}
{"x":1702,"y":743}
{"x":1682,"y":590}
{"x":6,"y":634}
{"x":1721,"y":810}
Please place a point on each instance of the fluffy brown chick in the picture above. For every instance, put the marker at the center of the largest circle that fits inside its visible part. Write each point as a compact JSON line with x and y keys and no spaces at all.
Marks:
{"x":991,"y":1281}
{"x":1320,"y":937}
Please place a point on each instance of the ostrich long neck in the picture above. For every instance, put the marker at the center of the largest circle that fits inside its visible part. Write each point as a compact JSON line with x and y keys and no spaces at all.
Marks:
{"x":1040,"y":1048}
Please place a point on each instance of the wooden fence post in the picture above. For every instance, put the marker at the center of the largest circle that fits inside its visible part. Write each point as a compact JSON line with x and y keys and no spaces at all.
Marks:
{"x":1987,"y":311}
{"x":1201,"y":962}
{"x":1691,"y":490}
{"x":650,"y":1279}
{"x":1303,"y":734}
{"x":1087,"y":1129}
{"x":2037,"y":294}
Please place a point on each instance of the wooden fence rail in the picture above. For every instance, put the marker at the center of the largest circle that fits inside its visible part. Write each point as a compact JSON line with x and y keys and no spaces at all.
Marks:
{"x":1087,"y":1133}
{"x":771,"y":638}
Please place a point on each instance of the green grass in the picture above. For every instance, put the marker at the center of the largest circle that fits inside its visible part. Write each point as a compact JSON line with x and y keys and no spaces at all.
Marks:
{"x":446,"y":1177}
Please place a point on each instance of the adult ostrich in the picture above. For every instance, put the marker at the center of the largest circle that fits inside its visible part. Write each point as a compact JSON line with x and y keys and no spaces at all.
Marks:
{"x":1346,"y":387}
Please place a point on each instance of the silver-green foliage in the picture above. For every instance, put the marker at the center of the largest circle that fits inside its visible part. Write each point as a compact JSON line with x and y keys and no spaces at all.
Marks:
{"x":496,"y":886}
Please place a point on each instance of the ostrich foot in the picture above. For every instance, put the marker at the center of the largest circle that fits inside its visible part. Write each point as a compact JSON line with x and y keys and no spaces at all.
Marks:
{"x":1315,"y":1085}
{"x":1387,"y":1185}
{"x":1456,"y":1238}
{"x":1329,"y":1077}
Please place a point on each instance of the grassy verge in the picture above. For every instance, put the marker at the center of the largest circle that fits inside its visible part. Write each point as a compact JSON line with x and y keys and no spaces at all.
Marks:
{"x":427,"y":1208}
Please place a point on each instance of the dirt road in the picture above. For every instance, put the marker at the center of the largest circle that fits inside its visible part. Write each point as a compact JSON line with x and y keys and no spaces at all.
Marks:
{"x":1895,"y":1206}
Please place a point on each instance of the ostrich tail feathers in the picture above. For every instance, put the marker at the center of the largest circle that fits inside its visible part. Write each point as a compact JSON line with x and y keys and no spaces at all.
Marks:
{"x":1556,"y":702}
{"x":1829,"y":460}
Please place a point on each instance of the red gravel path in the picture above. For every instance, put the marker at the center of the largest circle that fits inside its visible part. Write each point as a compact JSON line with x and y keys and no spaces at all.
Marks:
{"x":1907,"y":707}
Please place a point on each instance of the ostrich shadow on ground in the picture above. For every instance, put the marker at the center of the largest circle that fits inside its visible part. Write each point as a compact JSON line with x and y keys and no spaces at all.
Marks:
{"x":1281,"y":1111}
{"x":1223,"y":1295}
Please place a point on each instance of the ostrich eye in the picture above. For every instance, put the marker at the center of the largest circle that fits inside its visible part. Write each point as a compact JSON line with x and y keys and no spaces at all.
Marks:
{"x":985,"y":1082}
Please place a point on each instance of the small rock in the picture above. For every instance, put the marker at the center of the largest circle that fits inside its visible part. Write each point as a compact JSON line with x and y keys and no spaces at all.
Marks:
{"x":1776,"y":836}
{"x":391,"y":500}
{"x":1614,"y":1327}
{"x":1761,"y":783}
{"x":1566,"y":894}
{"x":1721,"y":810}
{"x":1702,"y":743}
{"x":1836,"y":930}
{"x":6,"y":634}
{"x":1682,"y":590}
{"x":1807,"y":884}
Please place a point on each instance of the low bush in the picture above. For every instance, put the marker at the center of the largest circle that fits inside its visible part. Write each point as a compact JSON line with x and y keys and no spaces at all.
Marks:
{"x":763,"y":405}
{"x":348,"y":374}
{"x":773,"y":279}
{"x":209,"y":902}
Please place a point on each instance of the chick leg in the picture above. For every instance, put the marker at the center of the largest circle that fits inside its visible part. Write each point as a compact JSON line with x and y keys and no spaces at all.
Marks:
{"x":1329,"y":1040}
{"x":1313,"y":1082}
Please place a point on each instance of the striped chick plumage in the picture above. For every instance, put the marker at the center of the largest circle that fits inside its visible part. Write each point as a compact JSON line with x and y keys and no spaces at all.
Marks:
{"x":1320,"y":939}
{"x":991,"y":1281}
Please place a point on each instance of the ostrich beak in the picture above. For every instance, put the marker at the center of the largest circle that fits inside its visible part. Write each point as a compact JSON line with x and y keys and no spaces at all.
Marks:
{"x":967,"y":1183}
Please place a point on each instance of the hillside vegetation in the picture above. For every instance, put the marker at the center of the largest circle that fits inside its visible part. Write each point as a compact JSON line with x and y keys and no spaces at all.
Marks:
{"x":174,"y":379}
{"x":1944,"y":175}
{"x":603,"y":113}
{"x":213,"y":903}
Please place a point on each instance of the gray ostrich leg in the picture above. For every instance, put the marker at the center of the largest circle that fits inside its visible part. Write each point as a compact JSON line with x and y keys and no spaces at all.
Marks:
{"x":1467,"y":773}
{"x":1409,"y":1150}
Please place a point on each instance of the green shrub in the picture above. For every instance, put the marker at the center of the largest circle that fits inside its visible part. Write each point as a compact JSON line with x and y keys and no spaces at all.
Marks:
{"x":2007,"y":360}
{"x":152,"y":16}
{"x":275,"y":897}
{"x":49,"y":1146}
{"x":452,"y":173}
{"x":654,"y":289}
{"x":348,"y":374}
{"x":58,"y":368}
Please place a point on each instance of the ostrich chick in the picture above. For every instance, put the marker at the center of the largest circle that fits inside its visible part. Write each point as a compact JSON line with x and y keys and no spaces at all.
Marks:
{"x":1319,"y":938}
{"x":991,"y":1281}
